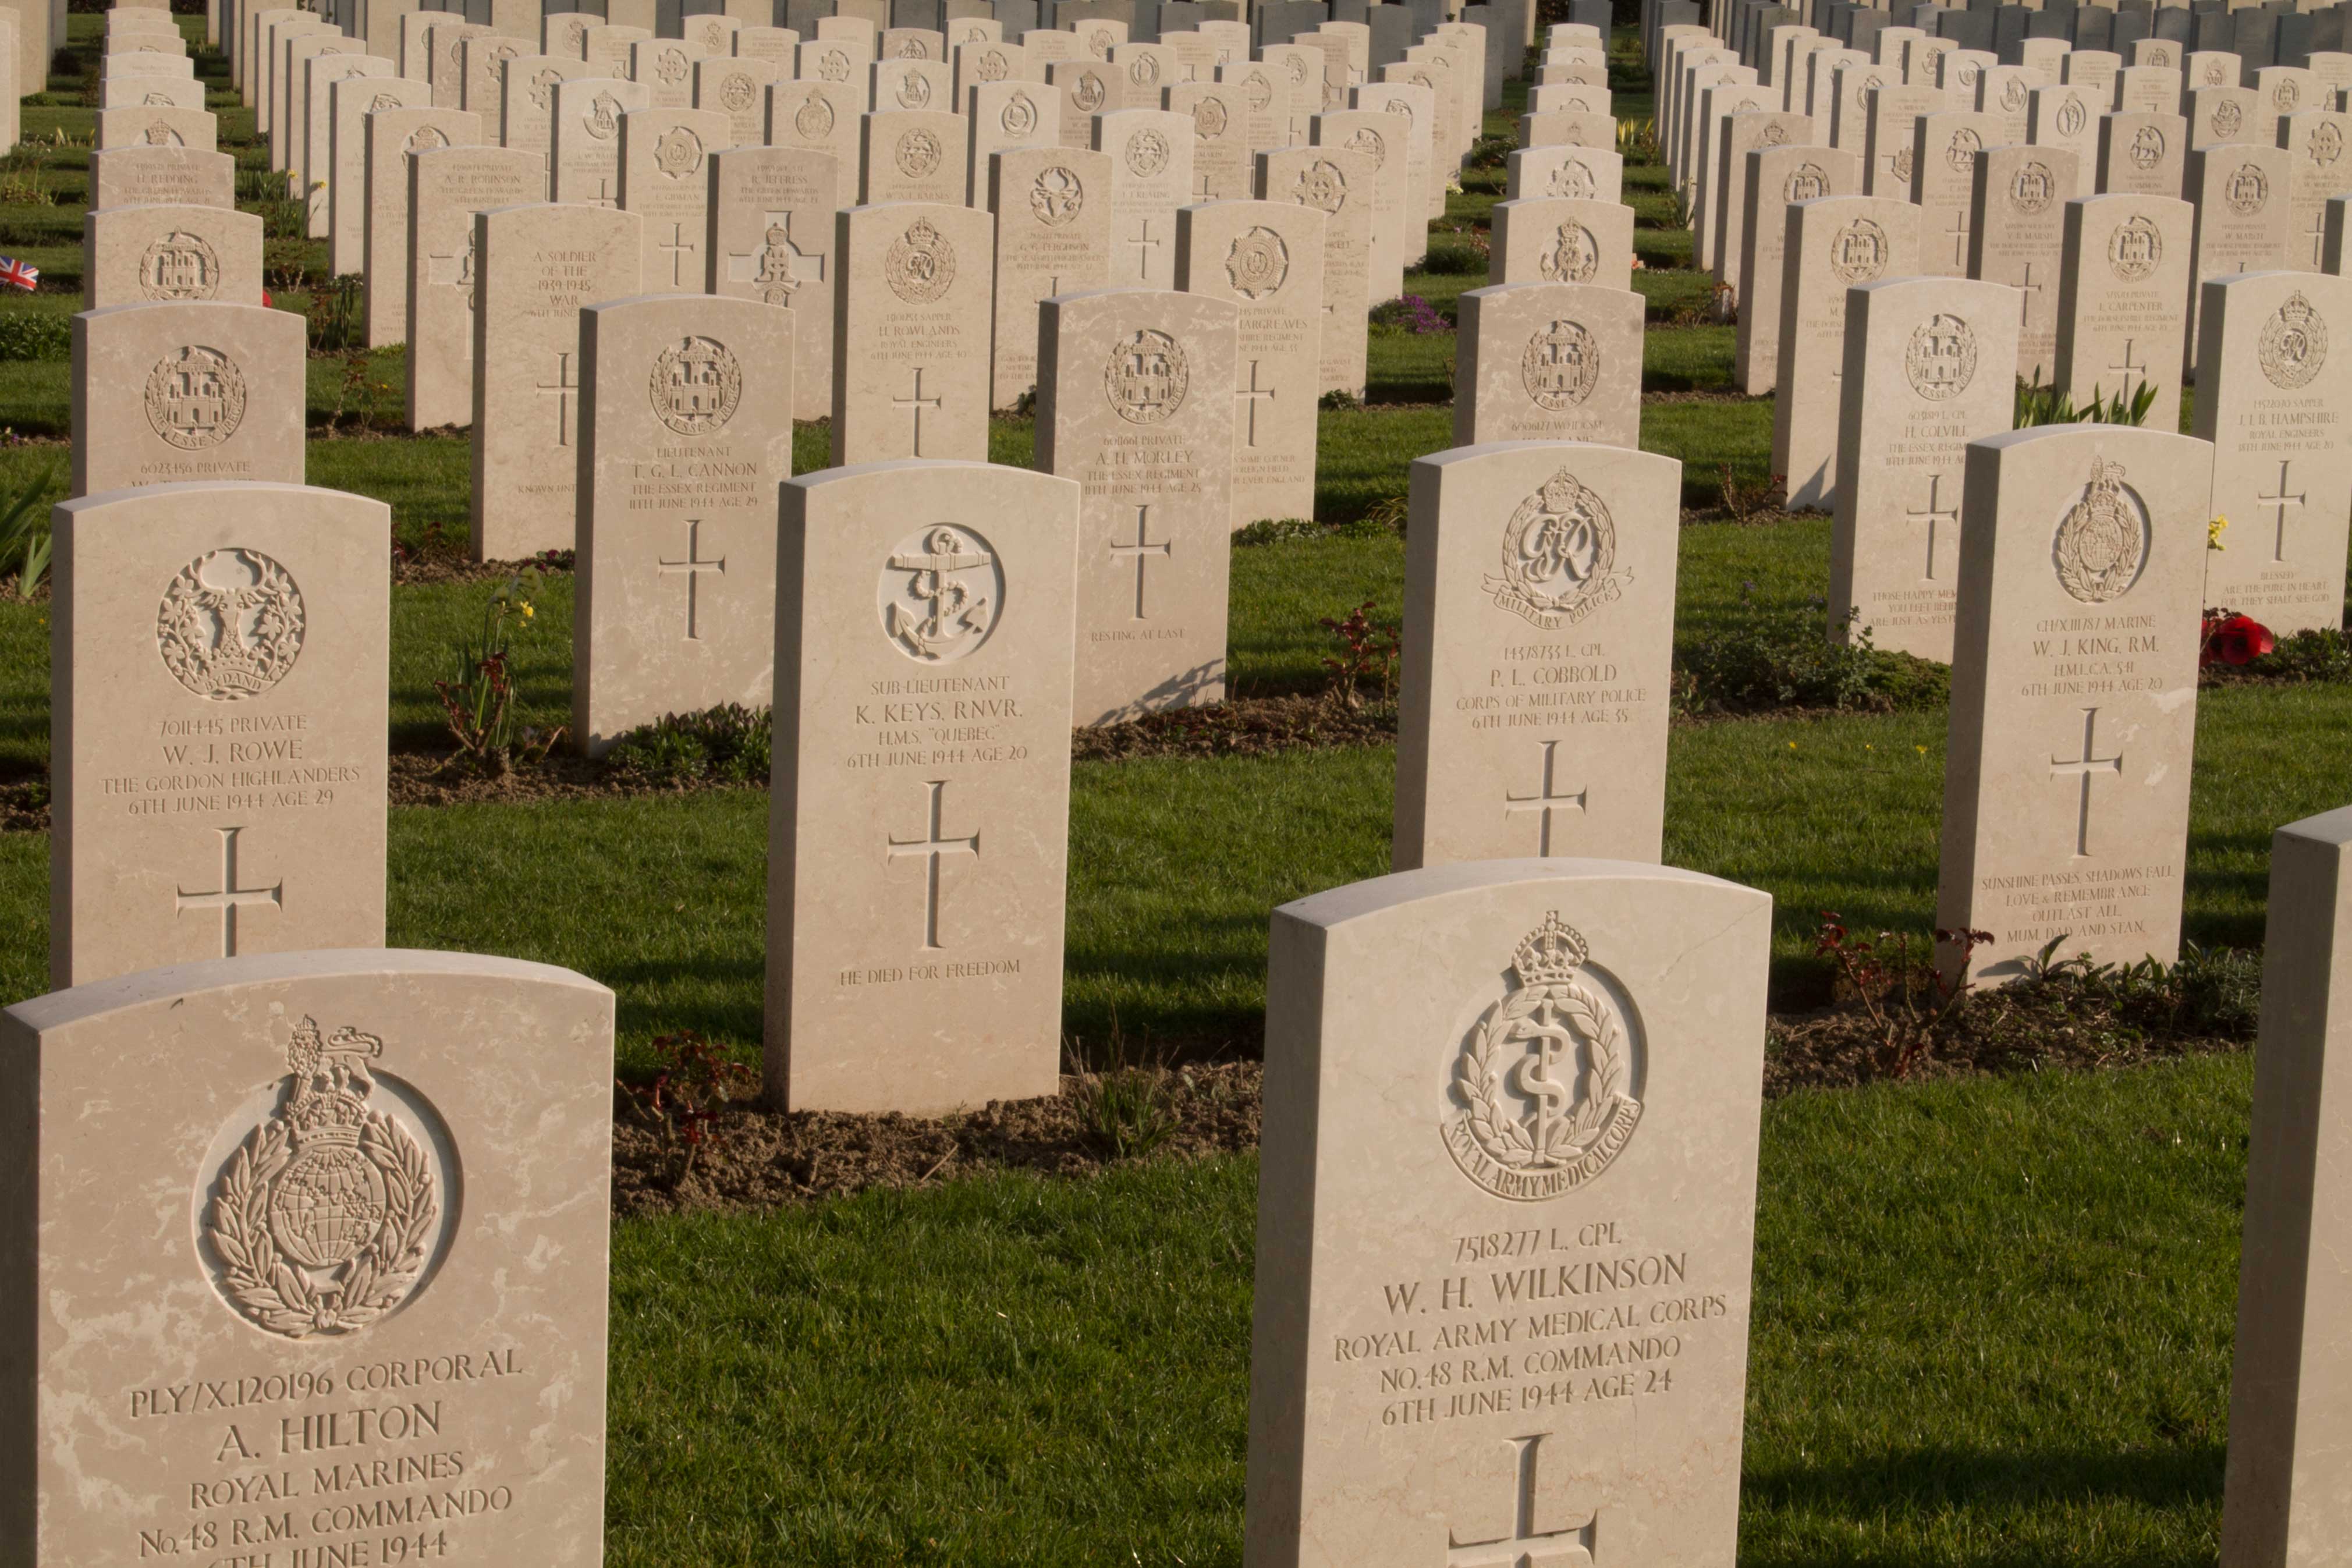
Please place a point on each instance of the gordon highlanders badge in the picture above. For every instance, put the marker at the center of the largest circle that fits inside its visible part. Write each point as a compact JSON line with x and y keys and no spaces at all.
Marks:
{"x":231,"y":624}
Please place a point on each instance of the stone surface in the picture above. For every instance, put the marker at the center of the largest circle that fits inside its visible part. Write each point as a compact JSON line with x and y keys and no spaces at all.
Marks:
{"x":1223,"y":166}
{"x":1890,"y":115}
{"x":915,"y":155}
{"x":2123,"y":299}
{"x":2315,"y":141}
{"x":1548,"y":362}
{"x":220,"y":659}
{"x":170,"y":1155}
{"x":1395,"y":221}
{"x":1267,"y":258}
{"x":2241,"y":211}
{"x":143,"y":175}
{"x":2017,"y":235}
{"x":446,"y":186}
{"x":2288,"y":1378}
{"x":1774,"y":177}
{"x":1409,"y":113}
{"x":920,"y":808}
{"x":1927,"y":370}
{"x":1584,"y":174}
{"x":147,"y":92}
{"x":665,"y":67}
{"x":482,"y":73}
{"x":1829,"y":244}
{"x":1131,"y":404}
{"x":1944,"y":152}
{"x":2068,"y":118}
{"x":2274,"y":394}
{"x":350,"y":103}
{"x":1427,"y":1032}
{"x":134,"y":255}
{"x":1552,"y":239}
{"x":686,"y":434}
{"x":2142,"y":154}
{"x":539,"y":264}
{"x":526,"y":99}
{"x":388,"y":137}
{"x":586,"y":151}
{"x":911,"y":303}
{"x":1003,"y":115}
{"x":1151,"y":152}
{"x":1053,"y":236}
{"x":1533,"y":714}
{"x":1338,"y":185}
{"x":1738,"y":135}
{"x":188,"y":389}
{"x":314,"y":128}
{"x":772,"y":240}
{"x":665,"y":180}
{"x":822,"y":117}
{"x":1088,"y":88}
{"x":2074,"y":711}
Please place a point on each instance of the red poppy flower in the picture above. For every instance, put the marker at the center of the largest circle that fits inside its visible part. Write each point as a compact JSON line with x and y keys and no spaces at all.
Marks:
{"x":2234,"y":640}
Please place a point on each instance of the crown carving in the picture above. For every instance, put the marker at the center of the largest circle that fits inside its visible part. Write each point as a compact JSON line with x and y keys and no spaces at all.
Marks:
{"x":1560,"y":493}
{"x":1550,"y":954}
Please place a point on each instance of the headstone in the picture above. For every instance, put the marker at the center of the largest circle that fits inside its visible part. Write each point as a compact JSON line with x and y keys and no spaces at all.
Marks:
{"x":311,"y":165}
{"x":2275,"y":401}
{"x":145,"y":176}
{"x":1003,"y":115}
{"x":1774,"y":177}
{"x":2314,"y":140}
{"x":1268,"y":120}
{"x":446,"y":51}
{"x":772,"y":240}
{"x":1086,"y":88}
{"x":352,"y":100}
{"x":1374,"y":136}
{"x":822,"y":117}
{"x":133,"y":255}
{"x":539,"y":264}
{"x":1584,"y":174}
{"x":2007,"y":92}
{"x":388,"y":137}
{"x":1053,"y":236}
{"x":1945,"y":149}
{"x":1407,"y":123}
{"x":585,"y":152}
{"x":1927,"y":370}
{"x":921,"y":817}
{"x":2017,"y":235}
{"x":2073,"y":726}
{"x":1338,"y":185}
{"x":2240,"y":197}
{"x":1553,"y":240}
{"x":146,"y":92}
{"x":608,"y":51}
{"x":1131,"y":404}
{"x":526,"y":99}
{"x":2221,"y":115}
{"x":687,"y":433}
{"x":1223,"y":166}
{"x":1830,"y":246}
{"x":666,"y":69}
{"x":187,"y":389}
{"x":1548,"y":362}
{"x":446,"y":186}
{"x":1726,"y":234}
{"x":1267,"y":258}
{"x":2124,"y":280}
{"x":2067,"y":118}
{"x":911,"y":84}
{"x":217,"y":1141}
{"x":219,"y":790}
{"x":482,"y":71}
{"x":2148,"y":90}
{"x":911,"y":303}
{"x":1151,"y":152}
{"x":665,"y":180}
{"x":2142,"y":155}
{"x":1478,"y":984}
{"x":915,"y":155}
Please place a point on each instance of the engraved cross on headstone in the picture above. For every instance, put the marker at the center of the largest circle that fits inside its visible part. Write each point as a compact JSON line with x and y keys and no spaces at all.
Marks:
{"x":453,"y":268}
{"x":606,"y":196}
{"x":1252,"y":395}
{"x":1959,"y":232}
{"x":678,"y":247}
{"x":1202,"y":193}
{"x":1933,"y":514}
{"x":1550,"y":798}
{"x":230,"y":897}
{"x":1143,"y":244}
{"x":1573,"y":1546}
{"x":932,"y":847}
{"x":560,"y":389}
{"x":692,"y":568}
{"x":2127,"y":367}
{"x":2085,"y":767}
{"x":2317,"y":259}
{"x":1140,"y":550}
{"x":2282,"y":501}
{"x":915,"y":403}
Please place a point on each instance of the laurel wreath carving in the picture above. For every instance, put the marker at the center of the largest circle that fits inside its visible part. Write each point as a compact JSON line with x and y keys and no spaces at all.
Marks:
{"x":1506,"y":1139}
{"x":279,"y":1297}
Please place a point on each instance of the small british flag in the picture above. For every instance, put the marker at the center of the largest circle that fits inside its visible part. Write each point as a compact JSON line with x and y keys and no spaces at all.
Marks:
{"x":22,"y":273}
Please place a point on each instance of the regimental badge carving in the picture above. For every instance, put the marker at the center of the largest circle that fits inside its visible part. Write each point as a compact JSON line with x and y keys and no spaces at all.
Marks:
{"x":426,"y":139}
{"x":1561,"y":365}
{"x":913,"y":48}
{"x":1574,"y":179}
{"x":1147,"y":154}
{"x":2013,"y":94}
{"x":1775,"y":134}
{"x":231,"y":624}
{"x":2285,"y":95}
{"x":993,"y":66}
{"x":1902,"y":164}
{"x":323,"y":1220}
{"x":678,"y":152}
{"x":2136,"y":248}
{"x":1560,"y":1044}
{"x":604,"y":121}
{"x":1321,"y":185}
{"x":920,"y":265}
{"x":913,"y":90}
{"x":1089,"y":93}
{"x":1941,"y":358}
{"x":1572,"y":257}
{"x":542,"y":88}
{"x":812,"y":121}
{"x":382,"y":102}
{"x":2147,"y":147}
{"x":919,"y":154}
{"x":196,"y":398}
{"x":2033,"y":187}
{"x":1961,"y":155}
{"x":1859,"y":252}
{"x":162,"y":135}
{"x":2226,"y":118}
{"x":2072,"y":115}
{"x":1297,"y":66}
{"x":1258,"y":263}
{"x":2293,"y":344}
{"x":2159,"y":56}
{"x":2102,"y":541}
{"x":1098,"y":43}
{"x":1367,"y":141}
{"x":1019,"y":116}
{"x":833,"y":66}
{"x":1146,"y":378}
{"x":1258,"y":92}
{"x":1209,"y":119}
{"x":942,"y":592}
{"x":736,"y":92}
{"x":1806,"y":182}
{"x":180,"y":266}
{"x":671,"y":66}
{"x":1558,"y":552}
{"x":695,"y":386}
{"x":2327,"y":145}
{"x":2215,"y":74}
{"x":1057,"y":197}
{"x":2248,"y":190}
{"x":1970,"y":73}
{"x":1144,"y":70}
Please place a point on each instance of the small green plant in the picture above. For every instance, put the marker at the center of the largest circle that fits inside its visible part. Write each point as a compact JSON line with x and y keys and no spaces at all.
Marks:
{"x":2211,"y":991}
{"x":338,"y":324}
{"x":1775,"y":657}
{"x":1128,"y":1102}
{"x":683,"y":1103}
{"x":729,"y":744}
{"x":25,"y":541}
{"x":1368,"y":653}
{"x":25,"y":177}
{"x":1337,"y":399}
{"x":2040,"y":404}
{"x":1637,"y":141}
{"x":38,"y":335}
{"x":1278,"y":531}
{"x":1491,"y":151}
{"x":479,"y":697}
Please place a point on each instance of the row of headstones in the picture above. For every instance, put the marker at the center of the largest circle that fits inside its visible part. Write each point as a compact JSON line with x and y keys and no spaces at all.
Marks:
{"x":2262,"y":35}
{"x":268,"y":1213}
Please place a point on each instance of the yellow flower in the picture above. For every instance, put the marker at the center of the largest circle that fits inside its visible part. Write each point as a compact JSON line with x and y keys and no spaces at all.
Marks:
{"x":2213,"y":534}
{"x":527,"y":612}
